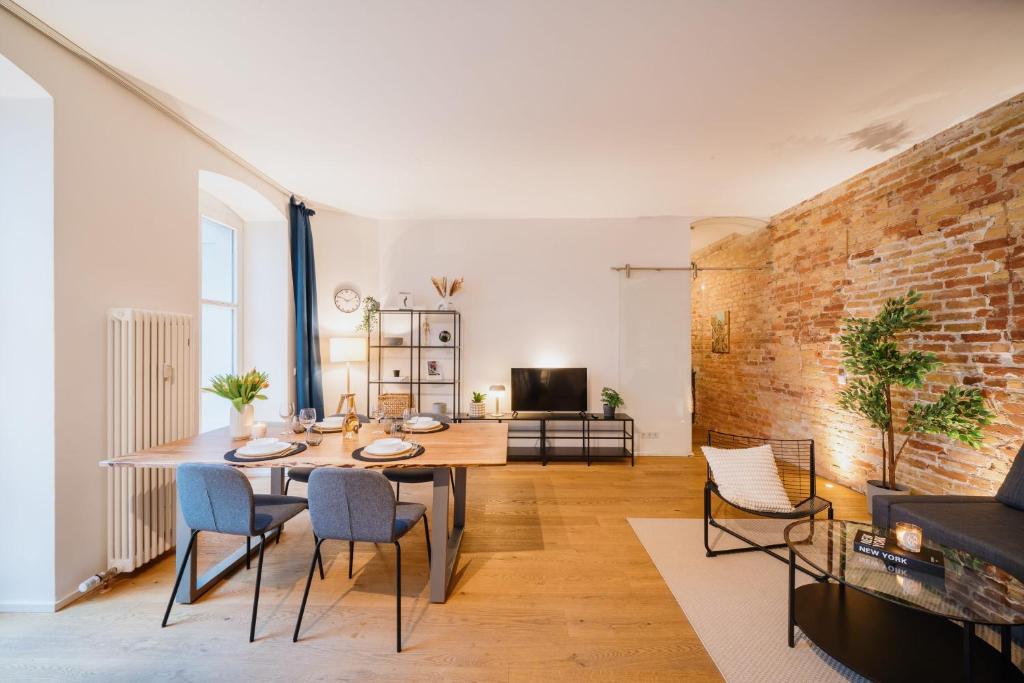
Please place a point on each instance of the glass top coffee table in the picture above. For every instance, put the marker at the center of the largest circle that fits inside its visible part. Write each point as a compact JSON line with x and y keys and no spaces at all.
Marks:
{"x":896,"y":623}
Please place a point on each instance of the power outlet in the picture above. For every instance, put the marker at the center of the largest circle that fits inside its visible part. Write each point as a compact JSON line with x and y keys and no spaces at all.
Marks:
{"x":650,"y":435}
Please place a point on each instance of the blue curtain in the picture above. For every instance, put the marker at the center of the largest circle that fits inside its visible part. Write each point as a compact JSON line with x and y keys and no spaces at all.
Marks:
{"x":309,"y":392}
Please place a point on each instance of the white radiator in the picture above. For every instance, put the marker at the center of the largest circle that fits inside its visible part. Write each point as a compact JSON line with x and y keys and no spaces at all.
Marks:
{"x":153,"y":399}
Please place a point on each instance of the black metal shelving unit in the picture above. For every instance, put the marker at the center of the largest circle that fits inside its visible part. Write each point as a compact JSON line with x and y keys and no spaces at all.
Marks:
{"x":417,"y":358}
{"x":579,"y":440}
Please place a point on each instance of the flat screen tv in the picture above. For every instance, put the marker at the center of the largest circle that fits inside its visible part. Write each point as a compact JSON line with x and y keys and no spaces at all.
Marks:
{"x":549,"y":389}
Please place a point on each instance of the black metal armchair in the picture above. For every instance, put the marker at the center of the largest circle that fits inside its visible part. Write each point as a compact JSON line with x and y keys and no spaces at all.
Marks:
{"x":795,"y":461}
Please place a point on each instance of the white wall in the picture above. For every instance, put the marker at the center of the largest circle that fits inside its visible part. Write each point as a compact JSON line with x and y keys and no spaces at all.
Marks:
{"x":26,"y":341}
{"x":125,"y":235}
{"x":346,"y":253}
{"x":537,"y":293}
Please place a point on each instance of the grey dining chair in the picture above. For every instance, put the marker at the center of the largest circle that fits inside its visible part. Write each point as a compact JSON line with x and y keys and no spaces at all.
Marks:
{"x":358,"y":505}
{"x":301,"y":474}
{"x":415,"y":475}
{"x":219,"y":498}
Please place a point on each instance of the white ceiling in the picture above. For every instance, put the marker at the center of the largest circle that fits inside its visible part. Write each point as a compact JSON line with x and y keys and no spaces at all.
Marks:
{"x":561,"y":108}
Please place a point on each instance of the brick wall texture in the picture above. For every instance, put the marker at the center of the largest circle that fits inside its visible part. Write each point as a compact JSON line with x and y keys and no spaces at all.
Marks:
{"x":945,"y":217}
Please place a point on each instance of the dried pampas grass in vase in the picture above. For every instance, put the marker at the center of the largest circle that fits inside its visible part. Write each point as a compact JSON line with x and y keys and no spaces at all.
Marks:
{"x":446,"y":291}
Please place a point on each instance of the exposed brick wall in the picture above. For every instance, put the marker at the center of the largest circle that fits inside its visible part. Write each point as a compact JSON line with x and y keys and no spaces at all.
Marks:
{"x":945,"y":217}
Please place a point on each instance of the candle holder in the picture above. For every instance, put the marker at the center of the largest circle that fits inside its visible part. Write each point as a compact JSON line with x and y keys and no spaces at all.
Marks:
{"x":909,"y":536}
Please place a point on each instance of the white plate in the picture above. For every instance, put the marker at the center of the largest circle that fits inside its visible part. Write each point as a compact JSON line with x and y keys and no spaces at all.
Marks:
{"x":422,"y":426}
{"x":329,"y":426}
{"x":265,"y":449}
{"x":377,"y":448}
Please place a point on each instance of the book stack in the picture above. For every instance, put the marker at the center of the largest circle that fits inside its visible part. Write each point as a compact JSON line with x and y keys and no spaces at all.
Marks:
{"x":896,"y":559}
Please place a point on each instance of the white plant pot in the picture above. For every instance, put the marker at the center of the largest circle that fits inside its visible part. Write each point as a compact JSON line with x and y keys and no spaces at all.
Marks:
{"x":240,"y":423}
{"x":873,"y":487}
{"x":477,"y":409}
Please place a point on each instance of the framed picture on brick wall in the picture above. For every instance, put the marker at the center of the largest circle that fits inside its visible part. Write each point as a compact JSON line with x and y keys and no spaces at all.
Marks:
{"x":720,"y":332}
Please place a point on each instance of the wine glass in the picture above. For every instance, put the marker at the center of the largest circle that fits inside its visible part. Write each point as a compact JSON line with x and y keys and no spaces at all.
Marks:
{"x":307,"y":418}
{"x":378,"y":413}
{"x":285,"y":412}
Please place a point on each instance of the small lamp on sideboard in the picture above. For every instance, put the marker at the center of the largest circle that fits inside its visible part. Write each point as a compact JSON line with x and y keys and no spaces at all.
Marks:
{"x":497,"y":391}
{"x":348,"y":350}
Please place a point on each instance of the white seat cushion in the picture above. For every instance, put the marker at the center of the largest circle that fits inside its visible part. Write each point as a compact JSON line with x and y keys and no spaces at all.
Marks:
{"x":748,"y":477}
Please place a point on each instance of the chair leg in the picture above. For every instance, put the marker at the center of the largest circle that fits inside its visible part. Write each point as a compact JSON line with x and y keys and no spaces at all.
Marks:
{"x":305,"y":593}
{"x":280,"y":530}
{"x":426,"y":530}
{"x":398,"y":596}
{"x":707,"y":518}
{"x":351,"y":552}
{"x":248,"y":552}
{"x":398,"y":490}
{"x":319,"y":559}
{"x":287,"y":483}
{"x":181,"y":573}
{"x":256,"y":593}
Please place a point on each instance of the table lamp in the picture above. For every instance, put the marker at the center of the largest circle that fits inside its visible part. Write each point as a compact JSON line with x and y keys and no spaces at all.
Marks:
{"x":497,"y":391}
{"x":348,"y":350}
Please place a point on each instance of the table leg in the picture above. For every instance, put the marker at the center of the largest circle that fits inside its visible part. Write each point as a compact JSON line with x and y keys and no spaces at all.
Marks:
{"x":1006,"y":644}
{"x":968,"y":651}
{"x":445,"y":545}
{"x":277,"y":480}
{"x":187,"y":590}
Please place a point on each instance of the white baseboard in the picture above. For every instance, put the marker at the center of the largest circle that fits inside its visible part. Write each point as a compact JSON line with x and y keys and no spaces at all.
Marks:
{"x":24,"y":607}
{"x":39,"y":607}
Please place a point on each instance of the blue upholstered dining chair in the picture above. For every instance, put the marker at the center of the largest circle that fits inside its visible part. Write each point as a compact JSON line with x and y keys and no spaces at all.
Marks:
{"x":301,"y":474}
{"x":358,"y":505}
{"x":415,"y":475}
{"x":219,"y":498}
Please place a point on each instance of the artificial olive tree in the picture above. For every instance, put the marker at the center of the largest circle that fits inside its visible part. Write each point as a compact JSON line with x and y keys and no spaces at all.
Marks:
{"x":873,"y":358}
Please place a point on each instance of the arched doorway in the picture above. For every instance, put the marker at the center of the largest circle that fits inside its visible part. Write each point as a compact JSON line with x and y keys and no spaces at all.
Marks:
{"x":27,"y":577}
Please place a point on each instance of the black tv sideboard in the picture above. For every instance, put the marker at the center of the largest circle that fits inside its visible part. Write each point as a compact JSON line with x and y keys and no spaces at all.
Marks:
{"x":572,"y":436}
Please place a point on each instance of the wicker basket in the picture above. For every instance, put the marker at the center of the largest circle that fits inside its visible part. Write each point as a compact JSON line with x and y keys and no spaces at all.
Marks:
{"x":394,"y":404}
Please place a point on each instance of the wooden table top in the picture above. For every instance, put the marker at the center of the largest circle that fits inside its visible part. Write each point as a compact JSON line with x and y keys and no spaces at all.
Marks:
{"x":462,"y":445}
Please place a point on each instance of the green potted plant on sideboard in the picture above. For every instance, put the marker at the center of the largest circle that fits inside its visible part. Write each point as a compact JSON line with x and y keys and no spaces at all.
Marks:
{"x":611,"y":400}
{"x":476,"y":406}
{"x":873,"y":357}
{"x":241,"y":390}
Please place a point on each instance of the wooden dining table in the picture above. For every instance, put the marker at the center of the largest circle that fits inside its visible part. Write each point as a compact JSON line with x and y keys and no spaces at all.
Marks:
{"x":452,"y":451}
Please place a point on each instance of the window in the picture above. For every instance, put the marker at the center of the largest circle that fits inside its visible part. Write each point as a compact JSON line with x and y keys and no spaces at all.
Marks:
{"x":219,"y":299}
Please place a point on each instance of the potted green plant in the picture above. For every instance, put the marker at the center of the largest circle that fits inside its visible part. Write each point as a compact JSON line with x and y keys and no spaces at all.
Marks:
{"x":241,"y":390}
{"x":611,"y":400}
{"x":877,"y":365}
{"x":370,"y":309}
{"x":476,"y":407}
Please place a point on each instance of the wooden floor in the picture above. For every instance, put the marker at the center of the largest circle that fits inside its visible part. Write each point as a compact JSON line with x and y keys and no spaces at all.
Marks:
{"x":553,"y":585}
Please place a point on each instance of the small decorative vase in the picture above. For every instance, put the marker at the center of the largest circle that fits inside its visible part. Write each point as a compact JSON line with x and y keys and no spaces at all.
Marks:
{"x":240,"y":423}
{"x":609,"y":412}
{"x":476,"y":409}
{"x":444,"y":305}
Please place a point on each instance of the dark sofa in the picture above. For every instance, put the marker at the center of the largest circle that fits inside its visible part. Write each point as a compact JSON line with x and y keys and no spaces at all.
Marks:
{"x":991,"y":528}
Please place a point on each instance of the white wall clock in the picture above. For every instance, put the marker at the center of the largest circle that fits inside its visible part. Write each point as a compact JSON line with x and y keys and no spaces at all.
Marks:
{"x":347,"y":300}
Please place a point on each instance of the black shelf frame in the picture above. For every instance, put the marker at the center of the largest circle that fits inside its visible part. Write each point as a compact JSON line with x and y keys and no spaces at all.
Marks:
{"x":581,"y":439}
{"x":416,"y":347}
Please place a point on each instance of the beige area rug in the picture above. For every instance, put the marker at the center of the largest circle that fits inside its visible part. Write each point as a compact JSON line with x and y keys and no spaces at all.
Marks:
{"x":737,"y":604}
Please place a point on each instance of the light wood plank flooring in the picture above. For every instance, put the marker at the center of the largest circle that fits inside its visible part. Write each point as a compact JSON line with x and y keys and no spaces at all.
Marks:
{"x":553,"y":585}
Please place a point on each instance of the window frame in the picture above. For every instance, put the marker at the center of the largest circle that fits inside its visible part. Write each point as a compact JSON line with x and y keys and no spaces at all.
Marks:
{"x":235,"y":306}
